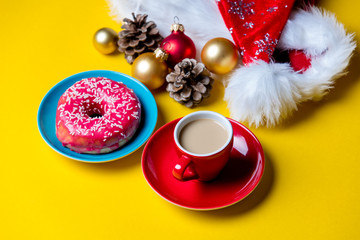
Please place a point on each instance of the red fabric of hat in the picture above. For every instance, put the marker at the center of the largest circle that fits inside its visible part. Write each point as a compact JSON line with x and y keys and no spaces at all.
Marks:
{"x":255,"y":25}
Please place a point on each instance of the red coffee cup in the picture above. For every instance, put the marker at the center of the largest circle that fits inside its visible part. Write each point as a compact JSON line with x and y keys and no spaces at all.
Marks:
{"x":202,"y":166}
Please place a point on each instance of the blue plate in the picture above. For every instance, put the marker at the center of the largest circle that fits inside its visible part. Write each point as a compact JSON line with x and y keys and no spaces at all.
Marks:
{"x":47,"y":116}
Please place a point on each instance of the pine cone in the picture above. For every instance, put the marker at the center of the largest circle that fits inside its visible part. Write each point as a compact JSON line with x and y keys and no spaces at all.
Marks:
{"x":189,"y":83}
{"x":138,"y":36}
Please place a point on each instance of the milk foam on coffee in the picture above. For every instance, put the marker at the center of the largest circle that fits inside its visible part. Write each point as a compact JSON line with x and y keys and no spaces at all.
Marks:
{"x":203,"y":136}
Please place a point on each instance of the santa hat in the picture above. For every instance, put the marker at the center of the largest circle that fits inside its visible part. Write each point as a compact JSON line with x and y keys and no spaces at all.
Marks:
{"x":263,"y":91}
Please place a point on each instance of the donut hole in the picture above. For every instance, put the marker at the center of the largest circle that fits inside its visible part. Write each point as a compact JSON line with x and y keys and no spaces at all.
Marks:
{"x":94,"y":110}
{"x":95,"y":115}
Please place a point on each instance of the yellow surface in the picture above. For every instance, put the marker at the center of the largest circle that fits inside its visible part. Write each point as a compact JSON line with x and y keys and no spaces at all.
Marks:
{"x":310,"y":189}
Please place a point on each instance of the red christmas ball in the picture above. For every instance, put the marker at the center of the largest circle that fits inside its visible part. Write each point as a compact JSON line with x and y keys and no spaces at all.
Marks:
{"x":178,"y":45}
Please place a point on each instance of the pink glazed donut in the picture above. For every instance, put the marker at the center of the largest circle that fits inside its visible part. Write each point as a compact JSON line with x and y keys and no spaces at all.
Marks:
{"x":97,"y":115}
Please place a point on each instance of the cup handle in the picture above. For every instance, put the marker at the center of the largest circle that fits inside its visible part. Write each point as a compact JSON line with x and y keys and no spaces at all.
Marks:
{"x":184,"y":169}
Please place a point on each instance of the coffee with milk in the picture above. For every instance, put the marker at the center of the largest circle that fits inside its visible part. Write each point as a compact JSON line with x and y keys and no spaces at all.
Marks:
{"x":203,"y":136}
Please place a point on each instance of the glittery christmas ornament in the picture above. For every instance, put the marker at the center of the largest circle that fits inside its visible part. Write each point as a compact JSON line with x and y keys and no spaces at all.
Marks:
{"x":151,"y":68}
{"x":219,"y":55}
{"x":105,"y":40}
{"x":178,"y":45}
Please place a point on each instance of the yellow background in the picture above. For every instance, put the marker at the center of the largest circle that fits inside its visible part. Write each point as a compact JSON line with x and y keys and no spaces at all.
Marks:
{"x":310,"y":189}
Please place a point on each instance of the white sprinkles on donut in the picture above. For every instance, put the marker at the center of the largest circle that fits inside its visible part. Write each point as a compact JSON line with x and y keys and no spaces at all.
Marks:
{"x":97,"y":115}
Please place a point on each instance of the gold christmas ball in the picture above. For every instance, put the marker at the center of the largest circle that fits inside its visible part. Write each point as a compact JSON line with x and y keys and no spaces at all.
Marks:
{"x":105,"y":40}
{"x":149,"y":70}
{"x":219,"y":55}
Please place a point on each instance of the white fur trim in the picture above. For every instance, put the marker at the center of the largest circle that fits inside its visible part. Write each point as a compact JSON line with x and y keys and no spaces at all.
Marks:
{"x":325,"y":41}
{"x":262,"y":93}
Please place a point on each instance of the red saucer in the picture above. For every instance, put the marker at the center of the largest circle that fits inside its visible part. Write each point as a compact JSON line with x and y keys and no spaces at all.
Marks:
{"x":237,"y":180}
